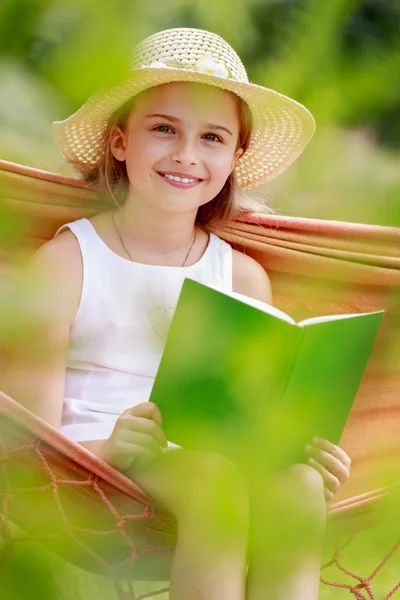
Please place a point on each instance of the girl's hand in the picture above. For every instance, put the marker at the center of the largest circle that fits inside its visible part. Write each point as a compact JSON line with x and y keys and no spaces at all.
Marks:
{"x":137,"y":436}
{"x":331,"y":462}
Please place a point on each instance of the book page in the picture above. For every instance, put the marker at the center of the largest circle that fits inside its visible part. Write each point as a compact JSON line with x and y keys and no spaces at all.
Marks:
{"x":325,"y":318}
{"x":267,"y":308}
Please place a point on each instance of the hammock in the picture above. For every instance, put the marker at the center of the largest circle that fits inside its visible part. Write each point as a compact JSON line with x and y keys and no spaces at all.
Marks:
{"x":98,"y":519}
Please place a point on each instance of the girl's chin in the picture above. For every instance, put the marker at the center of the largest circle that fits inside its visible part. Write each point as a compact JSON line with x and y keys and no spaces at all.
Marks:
{"x":178,"y":203}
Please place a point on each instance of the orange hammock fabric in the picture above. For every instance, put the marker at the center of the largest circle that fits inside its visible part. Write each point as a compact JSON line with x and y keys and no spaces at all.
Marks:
{"x":316,"y":267}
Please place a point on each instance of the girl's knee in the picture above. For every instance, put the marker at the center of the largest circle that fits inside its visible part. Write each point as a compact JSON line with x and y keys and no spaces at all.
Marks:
{"x":289,"y":508}
{"x":214,"y":487}
{"x":298,"y":489}
{"x":212,"y":474}
{"x":308,"y":491}
{"x":212,"y":467}
{"x":307,"y":481}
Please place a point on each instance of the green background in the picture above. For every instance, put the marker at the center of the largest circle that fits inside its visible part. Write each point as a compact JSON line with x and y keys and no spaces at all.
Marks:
{"x":339,"y":57}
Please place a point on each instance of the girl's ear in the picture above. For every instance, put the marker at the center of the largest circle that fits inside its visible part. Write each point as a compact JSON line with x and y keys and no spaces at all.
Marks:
{"x":118,"y":143}
{"x":237,"y":155}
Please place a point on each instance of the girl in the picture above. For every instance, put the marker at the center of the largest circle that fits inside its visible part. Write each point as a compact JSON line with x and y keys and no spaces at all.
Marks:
{"x":174,"y":147}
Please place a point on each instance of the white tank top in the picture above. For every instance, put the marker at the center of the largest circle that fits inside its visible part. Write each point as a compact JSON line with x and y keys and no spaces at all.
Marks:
{"x":119,"y":332}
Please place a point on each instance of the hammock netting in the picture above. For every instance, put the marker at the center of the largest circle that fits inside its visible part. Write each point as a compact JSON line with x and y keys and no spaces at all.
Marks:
{"x":60,"y":494}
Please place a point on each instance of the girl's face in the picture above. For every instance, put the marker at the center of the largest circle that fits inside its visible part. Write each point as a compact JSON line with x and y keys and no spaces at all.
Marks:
{"x":179,"y":128}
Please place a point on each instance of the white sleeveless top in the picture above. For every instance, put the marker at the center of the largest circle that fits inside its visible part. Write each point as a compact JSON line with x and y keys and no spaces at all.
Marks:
{"x":119,"y":332}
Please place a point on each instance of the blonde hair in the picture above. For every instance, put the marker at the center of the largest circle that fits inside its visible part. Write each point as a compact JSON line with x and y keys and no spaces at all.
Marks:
{"x":110,"y":175}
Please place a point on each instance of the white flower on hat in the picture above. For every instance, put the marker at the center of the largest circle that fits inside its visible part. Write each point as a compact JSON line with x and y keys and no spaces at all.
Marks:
{"x":155,"y":65}
{"x":207,"y":64}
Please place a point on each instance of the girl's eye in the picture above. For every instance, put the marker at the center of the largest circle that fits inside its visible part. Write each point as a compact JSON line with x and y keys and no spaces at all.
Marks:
{"x":162,"y":129}
{"x":218,"y":139}
{"x":159,"y":127}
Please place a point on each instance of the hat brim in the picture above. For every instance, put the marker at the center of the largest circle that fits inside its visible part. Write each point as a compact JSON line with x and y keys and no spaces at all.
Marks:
{"x":282,"y":126}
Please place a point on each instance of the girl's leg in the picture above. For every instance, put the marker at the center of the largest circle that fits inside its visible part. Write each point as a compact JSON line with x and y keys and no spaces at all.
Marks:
{"x":210,"y":501}
{"x":288,"y":515}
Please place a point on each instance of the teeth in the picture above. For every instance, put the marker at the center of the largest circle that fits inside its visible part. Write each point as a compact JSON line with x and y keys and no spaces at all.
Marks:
{"x":183,"y":180}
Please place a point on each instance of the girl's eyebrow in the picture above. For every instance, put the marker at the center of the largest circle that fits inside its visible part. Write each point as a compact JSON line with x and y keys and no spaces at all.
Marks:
{"x":176,"y":120}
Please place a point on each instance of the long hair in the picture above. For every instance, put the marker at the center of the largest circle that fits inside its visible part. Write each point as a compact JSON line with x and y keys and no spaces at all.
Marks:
{"x":111,"y":178}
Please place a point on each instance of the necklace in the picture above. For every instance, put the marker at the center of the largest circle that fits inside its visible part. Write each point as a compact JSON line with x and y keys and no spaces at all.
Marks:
{"x":126,"y":250}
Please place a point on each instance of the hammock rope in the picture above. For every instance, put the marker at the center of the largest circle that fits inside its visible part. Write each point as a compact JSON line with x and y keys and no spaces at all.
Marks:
{"x":98,"y":519}
{"x":114,"y":509}
{"x":364,"y":582}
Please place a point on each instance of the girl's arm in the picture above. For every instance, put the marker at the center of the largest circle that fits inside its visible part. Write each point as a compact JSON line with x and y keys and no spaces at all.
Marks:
{"x":35,"y":366}
{"x":44,"y":299}
{"x":250,"y":278}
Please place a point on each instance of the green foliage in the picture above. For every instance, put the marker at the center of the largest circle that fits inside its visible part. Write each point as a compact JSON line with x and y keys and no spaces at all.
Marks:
{"x":339,"y":57}
{"x":25,"y":573}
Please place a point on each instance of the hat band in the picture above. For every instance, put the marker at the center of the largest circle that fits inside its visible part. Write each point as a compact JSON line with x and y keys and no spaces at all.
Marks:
{"x":206,"y":64}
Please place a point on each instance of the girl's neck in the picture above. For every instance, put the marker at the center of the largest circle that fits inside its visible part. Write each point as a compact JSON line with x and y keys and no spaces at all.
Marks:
{"x":153,"y":231}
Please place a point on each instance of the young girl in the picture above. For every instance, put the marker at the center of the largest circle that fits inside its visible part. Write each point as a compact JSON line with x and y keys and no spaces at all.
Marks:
{"x":175,"y":147}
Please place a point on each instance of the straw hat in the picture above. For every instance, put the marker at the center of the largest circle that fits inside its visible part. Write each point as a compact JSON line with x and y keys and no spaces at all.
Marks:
{"x":282,"y":126}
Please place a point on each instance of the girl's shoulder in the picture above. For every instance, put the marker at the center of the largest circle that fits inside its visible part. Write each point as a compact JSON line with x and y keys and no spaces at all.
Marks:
{"x":250,"y":278}
{"x":62,"y":251}
{"x":58,"y":264}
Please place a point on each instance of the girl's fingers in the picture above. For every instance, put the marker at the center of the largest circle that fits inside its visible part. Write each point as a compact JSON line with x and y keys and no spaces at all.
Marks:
{"x":135,"y":450}
{"x":332,"y":464}
{"x":143,"y":425}
{"x":141,"y":439}
{"x":147,"y":410}
{"x":125,"y":454}
{"x":331,"y":482}
{"x":328,"y":495}
{"x":333,"y":449}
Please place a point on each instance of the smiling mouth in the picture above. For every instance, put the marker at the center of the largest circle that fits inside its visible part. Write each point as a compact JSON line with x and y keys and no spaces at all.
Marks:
{"x":183,"y":184}
{"x":186,"y":180}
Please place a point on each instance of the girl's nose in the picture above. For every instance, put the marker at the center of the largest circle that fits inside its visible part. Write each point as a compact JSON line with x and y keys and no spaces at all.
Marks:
{"x":184,"y":153}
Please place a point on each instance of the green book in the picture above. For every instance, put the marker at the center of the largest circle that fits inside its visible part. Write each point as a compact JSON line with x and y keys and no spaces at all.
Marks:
{"x":242,"y":378}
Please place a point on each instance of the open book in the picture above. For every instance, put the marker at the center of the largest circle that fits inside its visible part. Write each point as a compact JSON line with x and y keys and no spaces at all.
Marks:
{"x":241,"y":378}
